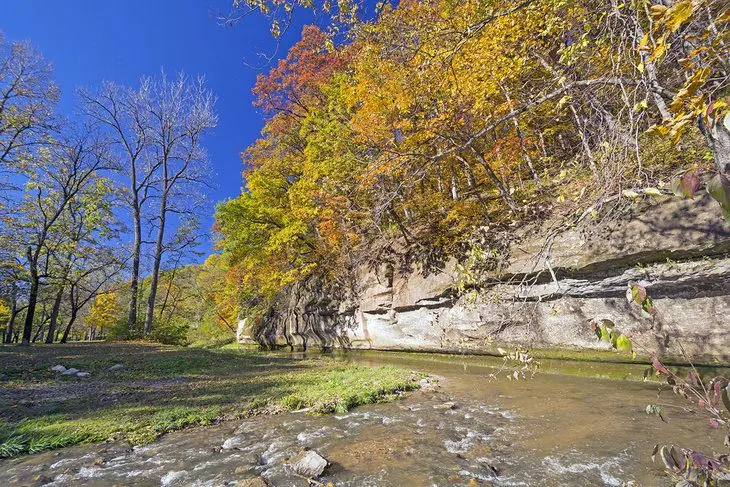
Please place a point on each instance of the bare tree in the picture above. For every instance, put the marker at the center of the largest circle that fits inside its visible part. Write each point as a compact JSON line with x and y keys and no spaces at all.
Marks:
{"x":181,"y":113}
{"x":125,"y":114}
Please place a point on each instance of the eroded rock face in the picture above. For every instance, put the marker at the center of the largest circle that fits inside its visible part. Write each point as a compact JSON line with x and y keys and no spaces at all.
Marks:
{"x":680,"y":248}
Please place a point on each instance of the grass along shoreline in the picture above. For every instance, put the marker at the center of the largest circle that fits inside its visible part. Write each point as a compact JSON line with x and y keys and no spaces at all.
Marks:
{"x":164,"y":388}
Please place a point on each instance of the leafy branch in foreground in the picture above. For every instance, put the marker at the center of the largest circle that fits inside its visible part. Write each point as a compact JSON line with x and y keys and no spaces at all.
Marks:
{"x":688,"y":467}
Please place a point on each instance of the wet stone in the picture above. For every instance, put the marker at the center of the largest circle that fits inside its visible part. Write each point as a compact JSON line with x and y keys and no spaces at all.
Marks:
{"x":445,"y":406}
{"x":232,"y":443}
{"x":308,"y":464}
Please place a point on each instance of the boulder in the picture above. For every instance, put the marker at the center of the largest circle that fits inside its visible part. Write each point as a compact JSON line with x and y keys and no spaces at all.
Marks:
{"x":58,"y":368}
{"x":82,"y":374}
{"x":70,"y":371}
{"x":116,"y":367}
{"x":309,"y":464}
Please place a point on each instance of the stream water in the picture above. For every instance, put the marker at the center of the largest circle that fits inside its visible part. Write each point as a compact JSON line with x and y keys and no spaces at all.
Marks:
{"x":551,"y":430}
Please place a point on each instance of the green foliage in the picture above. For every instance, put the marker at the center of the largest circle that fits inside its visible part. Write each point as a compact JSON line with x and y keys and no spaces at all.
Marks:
{"x":170,"y":333}
{"x":719,"y":189}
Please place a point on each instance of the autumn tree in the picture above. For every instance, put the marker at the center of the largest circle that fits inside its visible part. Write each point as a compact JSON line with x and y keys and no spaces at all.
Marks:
{"x":102,"y":313}
{"x":442,"y":123}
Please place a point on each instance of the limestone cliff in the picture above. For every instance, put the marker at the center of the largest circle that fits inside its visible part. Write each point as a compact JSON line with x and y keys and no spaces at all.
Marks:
{"x":554,"y":283}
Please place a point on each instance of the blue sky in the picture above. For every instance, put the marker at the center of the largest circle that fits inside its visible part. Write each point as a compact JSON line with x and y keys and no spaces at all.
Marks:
{"x":93,"y":40}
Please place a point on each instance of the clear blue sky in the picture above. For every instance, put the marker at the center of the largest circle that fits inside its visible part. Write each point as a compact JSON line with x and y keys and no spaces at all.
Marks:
{"x":93,"y":40}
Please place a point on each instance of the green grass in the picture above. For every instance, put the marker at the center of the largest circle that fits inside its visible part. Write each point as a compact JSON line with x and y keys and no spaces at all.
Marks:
{"x":165,"y":388}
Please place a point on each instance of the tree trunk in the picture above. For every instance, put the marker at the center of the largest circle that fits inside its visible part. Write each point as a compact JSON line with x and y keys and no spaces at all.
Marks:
{"x":719,"y":138}
{"x":54,"y":316}
{"x":521,"y":138}
{"x":497,"y":182}
{"x":156,"y":265}
{"x":136,"y":251}
{"x":11,"y":321}
{"x":70,"y":323}
{"x":74,"y":312}
{"x":32,"y":299}
{"x":39,"y":331}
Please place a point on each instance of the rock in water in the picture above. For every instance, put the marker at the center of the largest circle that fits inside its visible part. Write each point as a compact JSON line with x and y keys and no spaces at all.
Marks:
{"x":232,"y":443}
{"x":446,"y":406}
{"x":70,"y":371}
{"x":116,"y":367}
{"x":254,"y":482}
{"x":309,"y":464}
{"x":82,"y":374}
{"x":58,"y":368}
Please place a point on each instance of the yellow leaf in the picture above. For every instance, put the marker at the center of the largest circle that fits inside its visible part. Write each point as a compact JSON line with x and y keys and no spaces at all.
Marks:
{"x":679,"y":14}
{"x":657,"y":11}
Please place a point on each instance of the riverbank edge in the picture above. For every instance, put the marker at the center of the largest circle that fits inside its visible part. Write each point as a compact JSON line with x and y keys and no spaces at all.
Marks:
{"x":600,"y":364}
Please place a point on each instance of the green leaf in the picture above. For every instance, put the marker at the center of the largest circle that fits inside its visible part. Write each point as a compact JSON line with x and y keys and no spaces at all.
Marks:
{"x":623,"y":343}
{"x":605,"y":336}
{"x":638,"y":293}
{"x":647,"y":305}
{"x":725,"y":398}
{"x":719,"y":189}
{"x":614,"y":335}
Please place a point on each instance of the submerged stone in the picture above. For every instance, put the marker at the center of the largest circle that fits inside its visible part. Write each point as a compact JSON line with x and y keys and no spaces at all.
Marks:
{"x":446,"y":406}
{"x":252,"y":482}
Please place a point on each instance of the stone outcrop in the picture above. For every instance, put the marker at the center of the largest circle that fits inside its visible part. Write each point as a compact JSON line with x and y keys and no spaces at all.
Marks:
{"x":553,"y":284}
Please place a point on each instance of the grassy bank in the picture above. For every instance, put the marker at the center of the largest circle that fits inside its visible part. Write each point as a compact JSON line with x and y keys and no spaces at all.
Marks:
{"x":164,"y":388}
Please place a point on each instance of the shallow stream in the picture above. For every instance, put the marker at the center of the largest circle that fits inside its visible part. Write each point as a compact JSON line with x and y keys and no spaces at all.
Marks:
{"x":551,"y":430}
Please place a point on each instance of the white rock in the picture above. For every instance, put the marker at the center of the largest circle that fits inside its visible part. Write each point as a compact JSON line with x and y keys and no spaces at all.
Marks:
{"x":309,"y":464}
{"x":70,"y":371}
{"x":116,"y":367}
{"x":232,"y":443}
{"x":58,"y":368}
{"x":82,"y":374}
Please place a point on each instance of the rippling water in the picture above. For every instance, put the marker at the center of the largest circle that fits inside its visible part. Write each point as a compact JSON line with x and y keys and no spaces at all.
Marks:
{"x":550,"y":430}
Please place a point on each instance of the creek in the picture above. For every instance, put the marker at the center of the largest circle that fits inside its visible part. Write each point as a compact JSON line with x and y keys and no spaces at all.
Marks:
{"x":553,"y":429}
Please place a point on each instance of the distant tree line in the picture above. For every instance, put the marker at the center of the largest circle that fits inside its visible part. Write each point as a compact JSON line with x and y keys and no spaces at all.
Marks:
{"x":71,"y":189}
